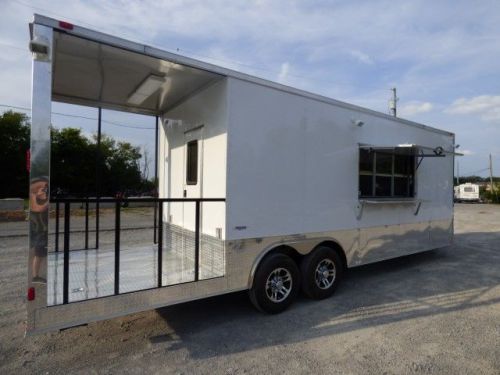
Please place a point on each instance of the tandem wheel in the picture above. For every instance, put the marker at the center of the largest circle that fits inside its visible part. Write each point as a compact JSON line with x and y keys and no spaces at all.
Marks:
{"x":321,"y":271}
{"x":276,"y":284}
{"x":278,"y":279}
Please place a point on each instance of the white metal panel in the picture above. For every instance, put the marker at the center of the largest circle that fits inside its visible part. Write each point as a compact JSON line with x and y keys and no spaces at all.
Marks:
{"x":293,"y":166}
{"x":208,"y":109}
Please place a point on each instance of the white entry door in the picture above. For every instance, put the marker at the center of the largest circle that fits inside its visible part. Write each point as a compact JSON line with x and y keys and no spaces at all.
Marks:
{"x":193,"y":174}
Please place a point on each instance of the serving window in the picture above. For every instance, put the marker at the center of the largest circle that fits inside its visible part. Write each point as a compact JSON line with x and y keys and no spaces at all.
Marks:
{"x":386,"y":173}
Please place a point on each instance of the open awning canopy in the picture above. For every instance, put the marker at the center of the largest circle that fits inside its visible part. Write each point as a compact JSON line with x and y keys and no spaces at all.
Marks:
{"x":417,"y":151}
{"x":411,"y":149}
{"x":92,"y":73}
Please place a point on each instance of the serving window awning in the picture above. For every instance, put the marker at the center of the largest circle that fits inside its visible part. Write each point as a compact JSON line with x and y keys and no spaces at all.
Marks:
{"x":93,"y":73}
{"x":411,"y":149}
{"x":418,"y":151}
{"x":399,"y":149}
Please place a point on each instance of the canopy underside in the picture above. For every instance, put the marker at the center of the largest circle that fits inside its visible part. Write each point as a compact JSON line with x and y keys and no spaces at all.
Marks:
{"x":89,"y":73}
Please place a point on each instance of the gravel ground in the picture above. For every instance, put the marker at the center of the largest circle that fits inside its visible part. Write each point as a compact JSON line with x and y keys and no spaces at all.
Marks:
{"x":431,"y":313}
{"x":131,"y":218}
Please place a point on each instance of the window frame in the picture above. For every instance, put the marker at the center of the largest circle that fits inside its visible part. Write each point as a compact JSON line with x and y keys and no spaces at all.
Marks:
{"x":410,"y":176}
{"x":189,"y":171}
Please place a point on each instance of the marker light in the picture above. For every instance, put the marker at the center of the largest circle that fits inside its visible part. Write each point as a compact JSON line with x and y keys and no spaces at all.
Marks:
{"x":31,"y":294}
{"x":66,"y":25}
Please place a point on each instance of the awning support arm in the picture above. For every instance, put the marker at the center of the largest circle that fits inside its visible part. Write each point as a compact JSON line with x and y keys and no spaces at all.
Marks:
{"x":422,"y":156}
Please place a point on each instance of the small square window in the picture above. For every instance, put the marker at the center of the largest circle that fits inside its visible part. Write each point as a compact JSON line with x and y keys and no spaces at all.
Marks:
{"x":401,"y":187}
{"x":366,"y":161}
{"x":402,"y":164}
{"x":382,"y":186}
{"x":384,"y":163}
{"x":365,"y":185}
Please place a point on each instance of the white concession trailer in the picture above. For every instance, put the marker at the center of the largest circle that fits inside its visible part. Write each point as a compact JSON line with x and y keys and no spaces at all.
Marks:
{"x":467,"y":192}
{"x":262,"y":187}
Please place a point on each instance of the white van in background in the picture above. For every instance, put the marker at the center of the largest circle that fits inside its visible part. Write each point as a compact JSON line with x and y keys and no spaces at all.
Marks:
{"x":467,"y":192}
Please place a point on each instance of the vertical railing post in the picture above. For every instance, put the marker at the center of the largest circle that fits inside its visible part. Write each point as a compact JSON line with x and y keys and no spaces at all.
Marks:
{"x":57,"y":227}
{"x":160,"y":243}
{"x":117,"y":246}
{"x":98,"y":175}
{"x":154,"y":225}
{"x":66,"y":253}
{"x":156,"y":221}
{"x":87,"y":224}
{"x":197,"y":243}
{"x":97,"y":223}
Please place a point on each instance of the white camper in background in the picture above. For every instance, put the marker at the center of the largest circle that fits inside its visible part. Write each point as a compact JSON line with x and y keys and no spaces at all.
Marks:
{"x":467,"y":192}
{"x":262,"y":187}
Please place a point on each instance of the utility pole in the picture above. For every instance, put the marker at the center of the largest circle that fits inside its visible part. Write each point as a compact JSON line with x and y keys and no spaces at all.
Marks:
{"x":458,"y":174}
{"x":493,"y":190}
{"x":393,"y":102}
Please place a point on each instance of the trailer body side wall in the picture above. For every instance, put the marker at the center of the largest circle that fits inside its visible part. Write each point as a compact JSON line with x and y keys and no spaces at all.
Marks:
{"x":204,"y":113}
{"x":293,"y":172}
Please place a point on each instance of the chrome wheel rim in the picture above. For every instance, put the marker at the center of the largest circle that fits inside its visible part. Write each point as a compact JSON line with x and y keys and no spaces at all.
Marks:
{"x":324,"y":276}
{"x":279,"y":285}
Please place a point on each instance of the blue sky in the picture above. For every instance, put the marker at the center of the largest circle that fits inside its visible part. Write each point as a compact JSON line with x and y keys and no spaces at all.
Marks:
{"x":443,"y":56}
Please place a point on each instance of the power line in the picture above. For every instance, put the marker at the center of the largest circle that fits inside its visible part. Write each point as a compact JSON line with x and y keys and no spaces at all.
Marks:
{"x":14,"y":47}
{"x":478,"y":171}
{"x":176,"y":49}
{"x":105,"y":121}
{"x":267,"y":69}
{"x":13,"y":106}
{"x":51,"y":12}
{"x":82,"y":117}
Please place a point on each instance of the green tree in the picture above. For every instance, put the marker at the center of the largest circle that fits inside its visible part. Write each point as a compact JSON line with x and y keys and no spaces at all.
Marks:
{"x":120,"y":169}
{"x":72,"y":164}
{"x":14,"y":143}
{"x":76,"y":161}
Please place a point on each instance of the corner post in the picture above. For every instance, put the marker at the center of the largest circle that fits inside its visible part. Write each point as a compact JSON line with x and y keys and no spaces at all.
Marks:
{"x":39,"y":190}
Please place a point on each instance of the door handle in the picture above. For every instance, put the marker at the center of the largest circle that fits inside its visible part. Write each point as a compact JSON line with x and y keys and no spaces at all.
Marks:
{"x":185,"y":193}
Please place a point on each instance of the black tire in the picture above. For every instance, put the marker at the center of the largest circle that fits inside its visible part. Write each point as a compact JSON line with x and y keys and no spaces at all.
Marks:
{"x":311,"y":280}
{"x":262,"y":297}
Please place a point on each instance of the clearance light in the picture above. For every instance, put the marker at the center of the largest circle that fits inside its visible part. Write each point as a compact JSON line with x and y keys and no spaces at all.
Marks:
{"x":147,"y":88}
{"x":31,"y":294}
{"x":65,"y":25}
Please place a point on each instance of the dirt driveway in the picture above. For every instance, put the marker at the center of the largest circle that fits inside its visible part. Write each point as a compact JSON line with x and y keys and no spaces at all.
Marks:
{"x":432,"y":313}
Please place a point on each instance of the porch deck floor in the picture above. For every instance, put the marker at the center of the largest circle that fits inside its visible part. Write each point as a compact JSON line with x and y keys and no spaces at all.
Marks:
{"x":91,"y":272}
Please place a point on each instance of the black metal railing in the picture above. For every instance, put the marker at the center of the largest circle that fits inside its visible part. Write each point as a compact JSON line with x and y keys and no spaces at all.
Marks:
{"x":85,"y":201}
{"x":118,"y":203}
